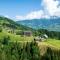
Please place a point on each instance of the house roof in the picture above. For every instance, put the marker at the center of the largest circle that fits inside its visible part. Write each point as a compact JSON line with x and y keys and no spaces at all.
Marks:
{"x":45,"y":35}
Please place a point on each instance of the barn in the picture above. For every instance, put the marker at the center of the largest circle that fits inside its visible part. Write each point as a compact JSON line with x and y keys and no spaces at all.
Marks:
{"x":27,"y":33}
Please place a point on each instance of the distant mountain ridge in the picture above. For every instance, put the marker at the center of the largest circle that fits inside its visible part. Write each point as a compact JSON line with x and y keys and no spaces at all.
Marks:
{"x":52,"y":24}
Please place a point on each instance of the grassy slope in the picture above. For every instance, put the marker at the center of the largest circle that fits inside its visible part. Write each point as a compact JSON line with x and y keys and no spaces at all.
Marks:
{"x":52,"y":43}
{"x":49,"y":42}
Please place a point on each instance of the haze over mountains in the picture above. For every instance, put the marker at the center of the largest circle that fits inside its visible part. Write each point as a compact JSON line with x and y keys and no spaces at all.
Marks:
{"x":52,"y":24}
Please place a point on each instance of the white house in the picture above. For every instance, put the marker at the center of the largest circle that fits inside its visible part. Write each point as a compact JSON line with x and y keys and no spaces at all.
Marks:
{"x":41,"y":38}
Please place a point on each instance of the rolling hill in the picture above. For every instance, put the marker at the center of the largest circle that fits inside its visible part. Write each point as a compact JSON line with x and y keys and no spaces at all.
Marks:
{"x":52,"y":24}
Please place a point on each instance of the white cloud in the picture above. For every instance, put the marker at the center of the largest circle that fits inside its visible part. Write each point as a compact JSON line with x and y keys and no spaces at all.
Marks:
{"x":33,"y":15}
{"x":50,"y":8}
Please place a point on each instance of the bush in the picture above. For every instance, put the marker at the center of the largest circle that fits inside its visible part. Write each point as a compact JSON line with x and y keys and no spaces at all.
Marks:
{"x":19,"y":33}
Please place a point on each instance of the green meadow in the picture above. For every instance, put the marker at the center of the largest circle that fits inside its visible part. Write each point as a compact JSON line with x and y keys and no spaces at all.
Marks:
{"x":16,"y":38}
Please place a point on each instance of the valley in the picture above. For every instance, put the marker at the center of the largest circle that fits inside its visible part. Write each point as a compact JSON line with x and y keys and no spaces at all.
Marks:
{"x":11,"y":36}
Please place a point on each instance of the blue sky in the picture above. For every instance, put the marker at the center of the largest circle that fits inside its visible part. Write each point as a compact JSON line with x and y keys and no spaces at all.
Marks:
{"x":29,"y":9}
{"x":12,"y":8}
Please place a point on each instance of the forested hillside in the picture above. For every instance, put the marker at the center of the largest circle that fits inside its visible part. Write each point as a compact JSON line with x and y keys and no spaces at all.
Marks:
{"x":9,"y":23}
{"x":52,"y":24}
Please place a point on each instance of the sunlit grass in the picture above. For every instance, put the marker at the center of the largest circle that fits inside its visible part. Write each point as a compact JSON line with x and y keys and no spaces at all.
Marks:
{"x":14,"y":37}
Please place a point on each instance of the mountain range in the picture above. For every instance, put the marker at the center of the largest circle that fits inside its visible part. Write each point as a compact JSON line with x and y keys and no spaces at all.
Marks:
{"x":52,"y":24}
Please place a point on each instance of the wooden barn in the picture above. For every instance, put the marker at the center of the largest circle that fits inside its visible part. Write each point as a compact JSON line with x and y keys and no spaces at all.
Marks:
{"x":27,"y":33}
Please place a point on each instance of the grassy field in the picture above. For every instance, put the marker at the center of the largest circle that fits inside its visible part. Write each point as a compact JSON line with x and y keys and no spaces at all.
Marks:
{"x":53,"y":43}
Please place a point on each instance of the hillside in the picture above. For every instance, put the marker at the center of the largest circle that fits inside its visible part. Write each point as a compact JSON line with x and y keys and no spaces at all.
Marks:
{"x":52,"y":24}
{"x":10,"y":28}
{"x":9,"y":23}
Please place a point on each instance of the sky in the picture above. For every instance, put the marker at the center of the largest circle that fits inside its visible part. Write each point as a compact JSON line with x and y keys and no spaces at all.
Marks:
{"x":29,"y":9}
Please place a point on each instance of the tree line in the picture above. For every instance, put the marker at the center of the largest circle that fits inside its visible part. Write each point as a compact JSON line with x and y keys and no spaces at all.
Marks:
{"x":51,"y":34}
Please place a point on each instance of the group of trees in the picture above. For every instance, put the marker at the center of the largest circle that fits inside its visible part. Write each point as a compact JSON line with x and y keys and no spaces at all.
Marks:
{"x":51,"y":34}
{"x":25,"y":51}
